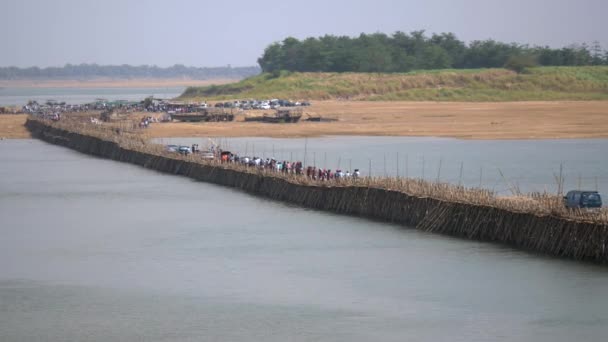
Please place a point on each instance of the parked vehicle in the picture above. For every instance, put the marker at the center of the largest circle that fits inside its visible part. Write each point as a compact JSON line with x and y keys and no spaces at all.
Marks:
{"x":225,"y":156}
{"x":172,"y":148}
{"x":207,"y":155}
{"x":205,"y":115}
{"x":184,"y":150}
{"x":577,"y":199}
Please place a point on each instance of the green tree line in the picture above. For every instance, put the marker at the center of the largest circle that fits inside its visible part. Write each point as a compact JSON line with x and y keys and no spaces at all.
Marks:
{"x":88,"y":71}
{"x":403,"y":52}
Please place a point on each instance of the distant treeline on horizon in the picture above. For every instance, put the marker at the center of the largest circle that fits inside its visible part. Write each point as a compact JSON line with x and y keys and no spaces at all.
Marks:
{"x":91,"y":71}
{"x":403,"y":52}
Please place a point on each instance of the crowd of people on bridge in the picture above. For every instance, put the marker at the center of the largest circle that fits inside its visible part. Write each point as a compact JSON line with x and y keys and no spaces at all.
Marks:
{"x":290,"y":167}
{"x":271,"y":164}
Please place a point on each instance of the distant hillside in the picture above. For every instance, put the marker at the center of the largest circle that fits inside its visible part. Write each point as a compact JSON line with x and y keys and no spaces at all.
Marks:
{"x":542,"y":83}
{"x":91,"y":71}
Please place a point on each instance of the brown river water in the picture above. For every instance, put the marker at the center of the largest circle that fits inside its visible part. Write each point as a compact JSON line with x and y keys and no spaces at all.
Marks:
{"x":96,"y":250}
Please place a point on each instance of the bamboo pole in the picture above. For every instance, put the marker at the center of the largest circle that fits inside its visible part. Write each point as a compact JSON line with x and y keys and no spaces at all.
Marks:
{"x":385,"y":175}
{"x":439,"y":170}
{"x":560,"y":188}
{"x":397,"y":165}
{"x":596,"y":184}
{"x":422,"y":167}
{"x":305,"y":149}
{"x":460,"y":176}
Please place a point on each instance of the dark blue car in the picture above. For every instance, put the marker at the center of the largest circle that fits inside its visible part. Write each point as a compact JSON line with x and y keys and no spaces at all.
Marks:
{"x":576,"y":199}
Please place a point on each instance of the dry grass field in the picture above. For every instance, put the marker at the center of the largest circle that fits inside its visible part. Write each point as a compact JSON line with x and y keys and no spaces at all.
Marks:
{"x":498,"y":120}
{"x":583,"y":83}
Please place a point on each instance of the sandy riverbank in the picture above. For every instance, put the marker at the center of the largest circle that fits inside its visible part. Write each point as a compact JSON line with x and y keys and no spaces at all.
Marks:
{"x":12,"y":127}
{"x":501,"y":120}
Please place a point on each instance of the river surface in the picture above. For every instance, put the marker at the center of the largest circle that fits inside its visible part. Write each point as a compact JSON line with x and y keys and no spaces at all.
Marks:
{"x":504,"y":166}
{"x":14,"y":96}
{"x":96,"y":250}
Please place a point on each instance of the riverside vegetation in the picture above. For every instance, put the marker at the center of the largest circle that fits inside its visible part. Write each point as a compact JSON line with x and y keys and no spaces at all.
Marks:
{"x":537,"y":222}
{"x":469,"y":85}
{"x":417,"y":67}
{"x":403,"y":52}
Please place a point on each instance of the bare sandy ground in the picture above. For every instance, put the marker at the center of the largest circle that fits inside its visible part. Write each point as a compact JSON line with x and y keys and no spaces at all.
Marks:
{"x":12,"y":127}
{"x":111,"y":83}
{"x":504,"y":120}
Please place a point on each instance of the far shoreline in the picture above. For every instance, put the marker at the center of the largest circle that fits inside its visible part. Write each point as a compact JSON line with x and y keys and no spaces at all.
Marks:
{"x":112,"y":83}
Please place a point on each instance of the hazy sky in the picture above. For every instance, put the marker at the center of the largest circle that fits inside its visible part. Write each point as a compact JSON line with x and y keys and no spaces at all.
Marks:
{"x":221,"y":32}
